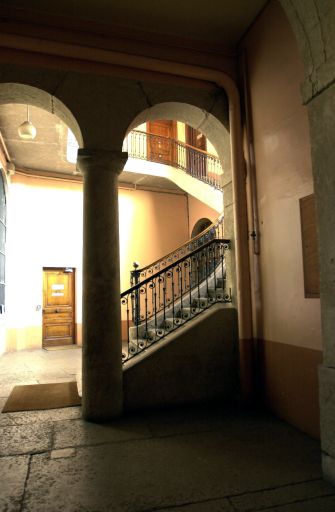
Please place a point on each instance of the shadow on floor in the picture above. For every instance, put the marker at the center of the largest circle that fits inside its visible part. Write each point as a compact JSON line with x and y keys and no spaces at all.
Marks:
{"x":191,"y":459}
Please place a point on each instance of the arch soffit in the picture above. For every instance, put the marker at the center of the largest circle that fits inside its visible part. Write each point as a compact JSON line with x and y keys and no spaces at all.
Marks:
{"x":200,"y":225}
{"x":26,"y":94}
{"x":97,"y":104}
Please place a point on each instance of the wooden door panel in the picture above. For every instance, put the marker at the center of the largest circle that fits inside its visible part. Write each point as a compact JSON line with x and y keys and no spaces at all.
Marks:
{"x":161,"y":149}
{"x":58,"y":289}
{"x":58,"y":330}
{"x":58,"y":307}
{"x":196,"y":160}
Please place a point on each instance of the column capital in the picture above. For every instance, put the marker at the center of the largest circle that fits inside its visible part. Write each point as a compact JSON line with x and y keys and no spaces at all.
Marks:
{"x":99,"y":160}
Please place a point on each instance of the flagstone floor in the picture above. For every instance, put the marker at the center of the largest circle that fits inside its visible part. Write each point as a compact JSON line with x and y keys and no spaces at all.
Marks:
{"x":190,"y":459}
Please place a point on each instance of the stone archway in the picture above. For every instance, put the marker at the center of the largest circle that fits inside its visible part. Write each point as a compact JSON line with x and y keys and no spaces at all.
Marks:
{"x":13,"y":99}
{"x":215,"y":128}
{"x":200,"y":226}
{"x":217,"y":131}
{"x":105,"y":108}
{"x":311,"y":28}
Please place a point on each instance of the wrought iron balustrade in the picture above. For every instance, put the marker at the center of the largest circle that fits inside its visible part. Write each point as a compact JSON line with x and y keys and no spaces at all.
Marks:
{"x":164,"y":150}
{"x":161,"y":303}
{"x":215,"y":230}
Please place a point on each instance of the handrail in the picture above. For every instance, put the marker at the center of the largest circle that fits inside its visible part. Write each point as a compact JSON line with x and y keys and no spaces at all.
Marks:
{"x":161,"y":303}
{"x":161,"y":149}
{"x":181,"y":260}
{"x":216,"y":227}
{"x":199,"y":150}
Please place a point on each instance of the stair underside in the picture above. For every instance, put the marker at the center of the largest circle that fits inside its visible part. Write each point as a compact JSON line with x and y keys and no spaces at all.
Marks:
{"x":197,"y":362}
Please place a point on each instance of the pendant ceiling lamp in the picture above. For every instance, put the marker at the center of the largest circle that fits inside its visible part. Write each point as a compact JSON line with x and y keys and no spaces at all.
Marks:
{"x":27,"y":130}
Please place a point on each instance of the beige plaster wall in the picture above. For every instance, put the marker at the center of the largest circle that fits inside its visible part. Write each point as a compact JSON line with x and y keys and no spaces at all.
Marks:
{"x":288,"y":325}
{"x":45,"y":229}
{"x":151,"y":225}
{"x":284,"y":174}
{"x":198,"y":210}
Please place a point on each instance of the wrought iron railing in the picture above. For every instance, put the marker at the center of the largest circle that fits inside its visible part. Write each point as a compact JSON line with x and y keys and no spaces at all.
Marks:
{"x":164,"y":150}
{"x":161,"y":303}
{"x":214,"y":230}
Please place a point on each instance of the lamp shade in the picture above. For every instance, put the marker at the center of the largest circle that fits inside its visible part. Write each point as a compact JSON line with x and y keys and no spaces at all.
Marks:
{"x":27,"y":130}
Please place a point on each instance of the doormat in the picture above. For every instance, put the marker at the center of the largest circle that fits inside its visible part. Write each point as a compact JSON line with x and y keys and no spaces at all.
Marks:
{"x":62,"y":347}
{"x":35,"y":397}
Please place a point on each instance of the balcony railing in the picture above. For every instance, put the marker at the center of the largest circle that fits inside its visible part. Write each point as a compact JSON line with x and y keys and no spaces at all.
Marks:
{"x":164,"y":150}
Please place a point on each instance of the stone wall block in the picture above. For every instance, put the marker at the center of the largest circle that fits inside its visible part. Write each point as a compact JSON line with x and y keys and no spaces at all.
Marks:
{"x":327,"y":417}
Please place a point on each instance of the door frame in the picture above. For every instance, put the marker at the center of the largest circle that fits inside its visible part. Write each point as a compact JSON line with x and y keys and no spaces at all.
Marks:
{"x":44,"y":269}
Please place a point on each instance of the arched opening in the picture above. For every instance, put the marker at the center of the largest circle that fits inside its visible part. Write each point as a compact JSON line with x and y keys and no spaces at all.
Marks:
{"x":200,"y":226}
{"x":157,"y":149}
{"x":43,"y":232}
{"x":215,"y":130}
{"x":192,"y":268}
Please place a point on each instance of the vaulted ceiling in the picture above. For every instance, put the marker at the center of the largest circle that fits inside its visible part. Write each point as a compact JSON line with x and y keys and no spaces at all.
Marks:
{"x":220,"y":23}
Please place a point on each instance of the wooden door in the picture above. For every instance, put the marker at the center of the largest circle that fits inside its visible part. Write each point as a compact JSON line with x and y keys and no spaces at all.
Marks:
{"x":196,"y":158}
{"x":161,"y":148}
{"x":58,"y":307}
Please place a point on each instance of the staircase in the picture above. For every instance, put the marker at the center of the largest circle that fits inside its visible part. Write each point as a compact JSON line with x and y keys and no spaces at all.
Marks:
{"x":179,"y":329}
{"x":174,"y":290}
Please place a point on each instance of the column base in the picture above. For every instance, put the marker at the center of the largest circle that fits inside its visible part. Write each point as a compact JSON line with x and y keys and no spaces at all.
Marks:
{"x":328,"y":468}
{"x":327,"y":421}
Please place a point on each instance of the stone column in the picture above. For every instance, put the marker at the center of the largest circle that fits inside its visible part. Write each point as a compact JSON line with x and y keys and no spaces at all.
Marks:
{"x":102,"y":361}
{"x":322,"y":126}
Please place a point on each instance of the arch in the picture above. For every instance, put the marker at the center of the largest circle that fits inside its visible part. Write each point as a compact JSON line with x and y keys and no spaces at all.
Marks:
{"x":215,"y":130}
{"x":229,"y":148}
{"x":200,"y":226}
{"x":311,"y":28}
{"x":22,"y":93}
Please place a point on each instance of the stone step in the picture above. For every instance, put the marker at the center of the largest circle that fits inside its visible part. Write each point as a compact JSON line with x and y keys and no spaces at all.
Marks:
{"x":133,"y":348}
{"x":201,"y":302}
{"x":150,"y":335}
{"x":171,"y":323}
{"x":186,"y":313}
{"x":216,"y":294}
{"x":220,"y":282}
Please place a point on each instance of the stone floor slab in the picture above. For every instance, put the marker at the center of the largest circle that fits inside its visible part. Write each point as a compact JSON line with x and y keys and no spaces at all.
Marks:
{"x":25,"y":438}
{"x":13,"y":471}
{"x":64,"y":453}
{"x":163,"y":472}
{"x":49,"y":415}
{"x":281,"y":496}
{"x":207,"y":418}
{"x":189,"y":459}
{"x":205,"y":506}
{"x":82,"y":433}
{"x":325,"y":504}
{"x":8,"y":382}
